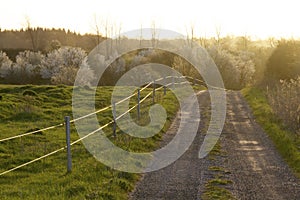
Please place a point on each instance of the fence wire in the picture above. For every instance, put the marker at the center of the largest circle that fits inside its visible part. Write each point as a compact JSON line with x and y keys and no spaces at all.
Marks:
{"x":93,"y":132}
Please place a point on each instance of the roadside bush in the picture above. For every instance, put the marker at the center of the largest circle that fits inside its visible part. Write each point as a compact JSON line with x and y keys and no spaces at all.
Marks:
{"x":285,"y":101}
{"x":237,"y":68}
{"x":284,"y":62}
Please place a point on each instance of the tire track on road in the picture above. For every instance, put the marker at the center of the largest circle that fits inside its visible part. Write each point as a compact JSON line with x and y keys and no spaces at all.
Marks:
{"x":254,"y":165}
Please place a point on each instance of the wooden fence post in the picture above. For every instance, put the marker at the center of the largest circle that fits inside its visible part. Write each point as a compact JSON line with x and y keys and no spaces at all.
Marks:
{"x":68,"y":141}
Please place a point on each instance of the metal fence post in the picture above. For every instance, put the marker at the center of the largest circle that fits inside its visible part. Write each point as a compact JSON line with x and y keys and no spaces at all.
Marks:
{"x":68,"y":140}
{"x":138,"y":104}
{"x":165,"y":88}
{"x":173,"y":82}
{"x":114,"y":119}
{"x":153,"y":92}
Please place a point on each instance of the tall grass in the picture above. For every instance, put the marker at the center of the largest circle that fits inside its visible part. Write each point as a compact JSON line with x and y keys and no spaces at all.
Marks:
{"x":285,"y":140}
{"x":284,"y":99}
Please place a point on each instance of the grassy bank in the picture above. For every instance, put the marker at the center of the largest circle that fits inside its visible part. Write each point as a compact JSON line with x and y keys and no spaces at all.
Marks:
{"x":26,"y":108}
{"x":285,"y":141}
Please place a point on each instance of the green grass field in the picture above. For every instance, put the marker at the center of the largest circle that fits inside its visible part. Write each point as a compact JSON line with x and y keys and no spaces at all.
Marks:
{"x":47,"y":179}
{"x":285,"y":141}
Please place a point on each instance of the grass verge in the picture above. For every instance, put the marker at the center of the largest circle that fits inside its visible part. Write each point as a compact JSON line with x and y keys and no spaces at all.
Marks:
{"x":285,"y":141}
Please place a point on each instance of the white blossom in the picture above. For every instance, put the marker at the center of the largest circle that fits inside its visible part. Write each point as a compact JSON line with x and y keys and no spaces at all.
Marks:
{"x":61,"y":65}
{"x":5,"y":65}
{"x":28,"y":64}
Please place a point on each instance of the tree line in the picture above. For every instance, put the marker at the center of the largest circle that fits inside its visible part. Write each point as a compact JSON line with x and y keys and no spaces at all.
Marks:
{"x":42,"y":39}
{"x":51,"y":54}
{"x":60,"y":65}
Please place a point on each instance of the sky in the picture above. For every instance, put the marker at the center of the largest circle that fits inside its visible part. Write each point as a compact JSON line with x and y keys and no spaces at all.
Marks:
{"x":254,"y":18}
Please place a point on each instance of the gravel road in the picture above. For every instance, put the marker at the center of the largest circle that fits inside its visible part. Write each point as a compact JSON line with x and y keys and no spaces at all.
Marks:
{"x":254,"y":167}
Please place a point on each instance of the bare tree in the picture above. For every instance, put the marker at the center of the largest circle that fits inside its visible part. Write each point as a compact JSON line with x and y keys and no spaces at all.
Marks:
{"x":153,"y":34}
{"x":203,"y":41}
{"x":218,"y":34}
{"x":111,"y":39}
{"x":141,"y":35}
{"x":118,"y":30}
{"x":190,"y":35}
{"x":97,"y":29}
{"x":110,"y":31}
{"x":246,"y":39}
{"x":31,"y":33}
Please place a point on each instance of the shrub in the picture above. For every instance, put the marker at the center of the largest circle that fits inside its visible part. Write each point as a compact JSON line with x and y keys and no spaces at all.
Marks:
{"x":284,"y":99}
{"x":284,"y":61}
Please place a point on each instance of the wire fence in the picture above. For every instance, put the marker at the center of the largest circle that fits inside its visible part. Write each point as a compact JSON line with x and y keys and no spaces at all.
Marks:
{"x":32,"y":132}
{"x":199,"y":82}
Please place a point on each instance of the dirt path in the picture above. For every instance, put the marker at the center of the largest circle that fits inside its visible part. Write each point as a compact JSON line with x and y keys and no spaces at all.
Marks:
{"x":258,"y":171}
{"x":255,"y":168}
